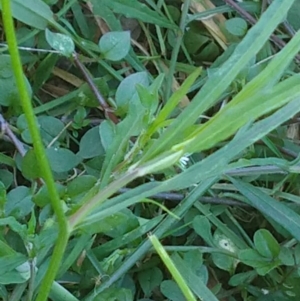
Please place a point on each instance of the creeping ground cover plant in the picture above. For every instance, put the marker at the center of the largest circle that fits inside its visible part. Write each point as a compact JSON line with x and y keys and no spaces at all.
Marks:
{"x":149,"y":150}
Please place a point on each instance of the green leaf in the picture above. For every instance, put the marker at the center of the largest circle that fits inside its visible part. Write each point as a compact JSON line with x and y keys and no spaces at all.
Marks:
{"x":107,"y":132}
{"x":170,"y":289}
{"x":80,"y":184}
{"x":275,"y":210}
{"x":266,"y":244}
{"x":148,"y":100}
{"x":137,"y":10}
{"x":30,"y":167}
{"x":131,"y":125}
{"x":19,"y":202}
{"x":42,"y":198}
{"x":114,"y":225}
{"x":2,"y":198}
{"x":195,"y":284}
{"x":127,"y":238}
{"x":222,"y":261}
{"x":90,"y":144}
{"x":236,"y":26}
{"x":10,"y":262}
{"x":9,"y":92}
{"x":242,"y":278}
{"x":15,"y":226}
{"x":297,"y":254}
{"x":194,"y":260}
{"x":293,"y":15}
{"x":262,"y":264}
{"x":114,"y":293}
{"x":286,"y":256}
{"x":127,"y":92}
{"x":193,"y":40}
{"x":12,"y":277}
{"x":60,"y":42}
{"x":34,"y":13}
{"x":85,"y":97}
{"x":6,"y":177}
{"x":202,"y":227}
{"x":150,"y":279}
{"x":61,"y":159}
{"x":4,"y":159}
{"x":115,"y":45}
{"x":50,"y":128}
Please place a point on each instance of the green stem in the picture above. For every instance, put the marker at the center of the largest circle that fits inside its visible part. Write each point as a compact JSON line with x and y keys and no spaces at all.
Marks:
{"x":185,"y":9}
{"x":39,"y":151}
{"x":101,"y":196}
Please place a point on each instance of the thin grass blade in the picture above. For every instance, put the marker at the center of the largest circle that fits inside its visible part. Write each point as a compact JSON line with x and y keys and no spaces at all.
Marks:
{"x":268,"y":206}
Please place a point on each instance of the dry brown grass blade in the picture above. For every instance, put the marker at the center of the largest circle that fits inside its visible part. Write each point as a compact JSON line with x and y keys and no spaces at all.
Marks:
{"x":68,"y":77}
{"x":212,"y":24}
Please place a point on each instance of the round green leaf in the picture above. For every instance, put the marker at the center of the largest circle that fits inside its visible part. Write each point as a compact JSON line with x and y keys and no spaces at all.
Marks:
{"x":286,"y":256}
{"x":61,"y":159}
{"x":8,"y":88}
{"x":236,"y":26}
{"x":202,"y":227}
{"x":6,"y":177}
{"x":127,"y":92}
{"x":30,"y":167}
{"x":19,"y":202}
{"x":194,"y":260}
{"x":60,"y":42}
{"x":42,"y":198}
{"x":80,"y":186}
{"x":266,"y":244}
{"x":115,"y":45}
{"x":90,"y":144}
{"x":149,"y":279}
{"x":170,"y":289}
{"x":50,"y":127}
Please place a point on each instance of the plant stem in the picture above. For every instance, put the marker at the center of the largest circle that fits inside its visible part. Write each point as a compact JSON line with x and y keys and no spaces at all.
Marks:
{"x":101,"y":196}
{"x":39,"y":151}
{"x":106,"y":108}
{"x":176,"y":49}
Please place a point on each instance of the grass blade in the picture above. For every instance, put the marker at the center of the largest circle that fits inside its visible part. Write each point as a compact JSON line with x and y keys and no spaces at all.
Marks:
{"x":198,"y":287}
{"x":172,"y":268}
{"x":137,"y":10}
{"x":277,"y":211}
{"x":215,"y":85}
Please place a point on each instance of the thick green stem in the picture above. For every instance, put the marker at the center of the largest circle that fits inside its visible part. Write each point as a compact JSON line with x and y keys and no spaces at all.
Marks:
{"x":39,"y":151}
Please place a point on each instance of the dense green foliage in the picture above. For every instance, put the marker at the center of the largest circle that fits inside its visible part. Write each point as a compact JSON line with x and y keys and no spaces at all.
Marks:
{"x":149,"y":150}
